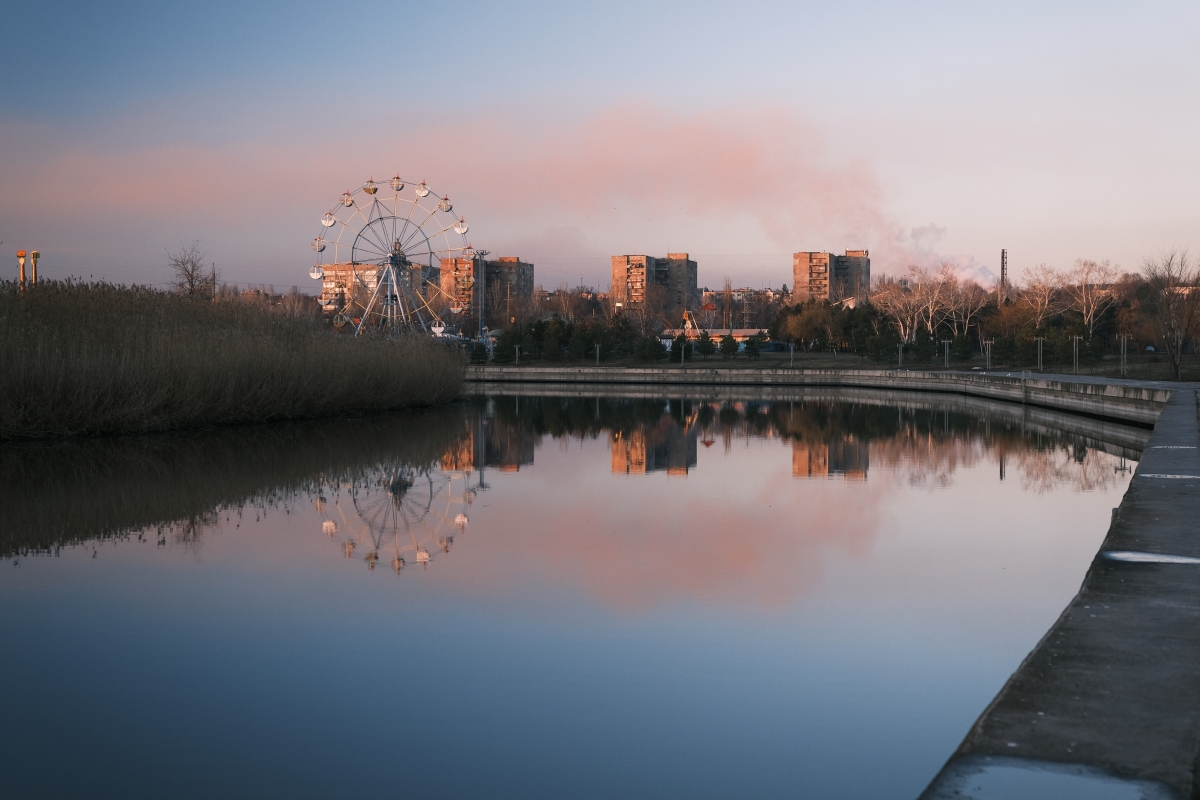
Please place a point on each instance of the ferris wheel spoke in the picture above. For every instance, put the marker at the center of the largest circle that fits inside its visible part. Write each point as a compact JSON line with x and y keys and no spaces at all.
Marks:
{"x":369,"y":245}
{"x":421,"y":227}
{"x":407,"y":222}
{"x":372,"y":238}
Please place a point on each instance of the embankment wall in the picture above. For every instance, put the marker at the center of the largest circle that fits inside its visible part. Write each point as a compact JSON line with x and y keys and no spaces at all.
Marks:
{"x":1129,"y":401}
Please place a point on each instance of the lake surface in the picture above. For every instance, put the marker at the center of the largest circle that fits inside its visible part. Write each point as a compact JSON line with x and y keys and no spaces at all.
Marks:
{"x":538,"y":597}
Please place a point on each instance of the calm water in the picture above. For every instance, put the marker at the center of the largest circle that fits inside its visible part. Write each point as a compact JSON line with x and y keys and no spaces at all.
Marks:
{"x":537,"y":597}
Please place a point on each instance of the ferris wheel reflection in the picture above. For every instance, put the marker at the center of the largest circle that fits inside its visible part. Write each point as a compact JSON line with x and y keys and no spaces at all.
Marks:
{"x":399,"y":513}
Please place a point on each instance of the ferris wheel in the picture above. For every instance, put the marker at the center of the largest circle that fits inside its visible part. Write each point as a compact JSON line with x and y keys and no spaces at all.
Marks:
{"x":405,"y":512}
{"x":379,"y":253}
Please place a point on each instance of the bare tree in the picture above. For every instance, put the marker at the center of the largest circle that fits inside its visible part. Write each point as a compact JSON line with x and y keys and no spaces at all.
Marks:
{"x":1040,"y":294}
{"x":936,"y":292}
{"x":969,"y":301}
{"x":1175,"y":280}
{"x":901,"y":304}
{"x":1089,"y":289}
{"x":192,"y":278}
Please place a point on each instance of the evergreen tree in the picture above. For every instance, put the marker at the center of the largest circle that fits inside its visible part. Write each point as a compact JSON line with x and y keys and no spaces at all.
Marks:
{"x":729,"y":346}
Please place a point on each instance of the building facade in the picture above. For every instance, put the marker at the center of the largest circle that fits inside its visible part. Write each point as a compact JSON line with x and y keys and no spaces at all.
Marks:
{"x":508,"y":276}
{"x":824,"y":276}
{"x":635,"y":276}
{"x":512,"y":276}
{"x":343,"y":282}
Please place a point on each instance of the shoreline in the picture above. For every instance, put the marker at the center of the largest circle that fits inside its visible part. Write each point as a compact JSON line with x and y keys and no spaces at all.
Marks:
{"x":1128,"y":401}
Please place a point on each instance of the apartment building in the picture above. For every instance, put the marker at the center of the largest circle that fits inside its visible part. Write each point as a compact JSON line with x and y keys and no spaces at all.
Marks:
{"x":633,"y":276}
{"x":509,"y":275}
{"x":825,"y":276}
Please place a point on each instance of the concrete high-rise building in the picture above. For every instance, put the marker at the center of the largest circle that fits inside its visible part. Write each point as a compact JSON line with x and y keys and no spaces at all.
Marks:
{"x":824,"y":276}
{"x":457,"y":281}
{"x":507,"y":276}
{"x":634,"y":276}
{"x":511,"y":275}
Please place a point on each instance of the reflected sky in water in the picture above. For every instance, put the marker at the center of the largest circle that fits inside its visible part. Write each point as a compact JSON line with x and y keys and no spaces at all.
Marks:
{"x":539,"y":597}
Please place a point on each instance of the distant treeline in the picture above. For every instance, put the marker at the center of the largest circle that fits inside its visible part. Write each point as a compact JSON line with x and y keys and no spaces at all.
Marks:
{"x":1088,"y":307}
{"x":620,"y":337}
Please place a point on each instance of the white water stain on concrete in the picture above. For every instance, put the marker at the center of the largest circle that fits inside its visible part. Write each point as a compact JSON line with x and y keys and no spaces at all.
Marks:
{"x":1172,"y":477}
{"x":1027,"y":779}
{"x":1134,"y":557}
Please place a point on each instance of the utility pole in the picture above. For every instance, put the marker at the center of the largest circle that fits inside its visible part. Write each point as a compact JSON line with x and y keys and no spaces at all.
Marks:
{"x":1039,"y":340}
{"x":1075,"y":340}
{"x":946,"y":352}
{"x":481,"y":284}
{"x":597,"y":360}
{"x":21,"y":261}
{"x":987,"y":351}
{"x":1124,"y":337}
{"x":900,"y":350}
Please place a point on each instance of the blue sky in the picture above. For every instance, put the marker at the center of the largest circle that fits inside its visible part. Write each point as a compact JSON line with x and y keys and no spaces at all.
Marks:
{"x":570,"y":133}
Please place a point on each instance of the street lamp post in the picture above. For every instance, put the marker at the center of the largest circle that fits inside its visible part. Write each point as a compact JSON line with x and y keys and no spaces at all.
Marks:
{"x":1075,"y":340}
{"x":1124,"y":337}
{"x":1039,"y":340}
{"x":946,"y":352}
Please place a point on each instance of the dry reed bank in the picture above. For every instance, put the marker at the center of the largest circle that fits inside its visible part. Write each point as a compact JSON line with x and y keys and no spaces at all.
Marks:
{"x":98,"y":358}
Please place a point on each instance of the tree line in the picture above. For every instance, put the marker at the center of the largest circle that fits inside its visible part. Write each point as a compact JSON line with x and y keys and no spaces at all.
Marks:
{"x":1092,"y":304}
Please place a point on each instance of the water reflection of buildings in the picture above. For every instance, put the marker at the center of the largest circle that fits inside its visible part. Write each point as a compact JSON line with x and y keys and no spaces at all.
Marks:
{"x":847,"y":456}
{"x":664,"y":447}
{"x":487,"y":444}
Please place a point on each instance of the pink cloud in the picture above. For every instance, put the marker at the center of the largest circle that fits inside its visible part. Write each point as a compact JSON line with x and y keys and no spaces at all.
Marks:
{"x":737,"y":177}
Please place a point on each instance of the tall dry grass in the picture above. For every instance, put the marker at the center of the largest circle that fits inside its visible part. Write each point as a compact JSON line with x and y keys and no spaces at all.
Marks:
{"x":98,"y":358}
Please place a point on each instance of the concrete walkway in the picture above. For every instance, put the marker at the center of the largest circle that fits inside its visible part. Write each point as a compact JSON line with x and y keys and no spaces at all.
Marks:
{"x":1110,"y":698}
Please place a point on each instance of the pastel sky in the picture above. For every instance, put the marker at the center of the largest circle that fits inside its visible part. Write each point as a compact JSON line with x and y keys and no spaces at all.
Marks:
{"x":925,"y":131}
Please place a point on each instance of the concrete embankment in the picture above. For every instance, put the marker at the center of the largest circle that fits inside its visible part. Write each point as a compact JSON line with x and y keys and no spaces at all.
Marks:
{"x":1110,"y":698}
{"x":1129,"y":401}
